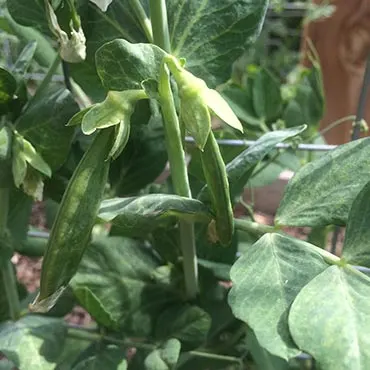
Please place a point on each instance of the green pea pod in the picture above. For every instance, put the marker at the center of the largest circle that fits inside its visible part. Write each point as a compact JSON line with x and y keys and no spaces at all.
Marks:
{"x":215,"y":173}
{"x":76,"y":216}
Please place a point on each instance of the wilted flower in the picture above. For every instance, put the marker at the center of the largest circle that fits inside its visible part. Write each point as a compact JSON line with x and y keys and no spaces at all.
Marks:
{"x":73,"y":46}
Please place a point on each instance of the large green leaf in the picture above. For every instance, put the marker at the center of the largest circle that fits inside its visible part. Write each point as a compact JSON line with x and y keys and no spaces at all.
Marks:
{"x":330,"y":319}
{"x":266,"y":280}
{"x":118,"y":22}
{"x":189,"y":324}
{"x":165,"y":357}
{"x":44,"y":122}
{"x":109,"y":358}
{"x":118,"y":283}
{"x":356,"y":249}
{"x":123,"y":66}
{"x":33,"y":342}
{"x":136,"y":216}
{"x":322,"y":192}
{"x":211,"y":35}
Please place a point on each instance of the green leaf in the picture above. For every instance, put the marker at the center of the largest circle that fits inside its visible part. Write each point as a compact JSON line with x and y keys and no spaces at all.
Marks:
{"x":211,"y":47}
{"x":267,"y":99}
{"x":266,"y":280}
{"x":76,"y":120}
{"x":140,"y":215}
{"x":6,"y":179}
{"x":165,"y":357}
{"x":110,"y":357}
{"x":19,"y":164}
{"x":336,"y":334}
{"x":8,"y":86}
{"x":188,"y":324}
{"x":28,"y":13}
{"x":34,"y":159}
{"x":33,"y":342}
{"x":25,"y":58}
{"x":241,"y":168}
{"x":123,"y":66}
{"x":20,"y":208}
{"x":122,"y":275}
{"x":322,"y":192}
{"x":44,"y":125}
{"x":263,"y":359}
{"x":356,"y":249}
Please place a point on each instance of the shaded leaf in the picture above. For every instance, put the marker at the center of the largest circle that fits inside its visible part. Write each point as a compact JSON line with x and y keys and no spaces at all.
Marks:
{"x":188,"y":324}
{"x":263,"y":359}
{"x":165,"y":357}
{"x":143,"y":159}
{"x":44,"y":125}
{"x":139,"y":215}
{"x":25,"y":58}
{"x":336,"y":334}
{"x":267,"y":101}
{"x":33,"y":342}
{"x":322,"y":192}
{"x":8,"y":86}
{"x":121,"y":274}
{"x":210,"y":47}
{"x":356,"y":249}
{"x":266,"y":280}
{"x":110,"y":357}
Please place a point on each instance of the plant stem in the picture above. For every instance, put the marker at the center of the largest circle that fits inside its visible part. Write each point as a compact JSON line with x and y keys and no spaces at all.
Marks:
{"x":254,"y":227}
{"x":45,"y":82}
{"x":143,"y":19}
{"x":7,"y":271}
{"x":158,"y":17}
{"x":176,"y":156}
{"x":330,"y":127}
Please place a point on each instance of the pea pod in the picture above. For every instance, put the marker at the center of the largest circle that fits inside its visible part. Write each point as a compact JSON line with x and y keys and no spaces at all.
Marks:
{"x":215,"y":173}
{"x":76,"y":216}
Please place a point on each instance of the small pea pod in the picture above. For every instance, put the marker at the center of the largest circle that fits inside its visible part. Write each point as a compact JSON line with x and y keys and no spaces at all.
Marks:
{"x":215,"y":173}
{"x":76,"y":216}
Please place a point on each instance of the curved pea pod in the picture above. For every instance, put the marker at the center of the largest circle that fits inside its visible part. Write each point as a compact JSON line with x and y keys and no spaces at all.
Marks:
{"x":215,"y":173}
{"x":75,"y":219}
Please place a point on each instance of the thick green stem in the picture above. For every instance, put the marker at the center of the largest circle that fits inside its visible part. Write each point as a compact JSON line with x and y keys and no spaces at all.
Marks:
{"x":180,"y":179}
{"x":45,"y":82}
{"x":142,"y":17}
{"x":254,"y":227}
{"x":8,"y":275}
{"x":158,"y":17}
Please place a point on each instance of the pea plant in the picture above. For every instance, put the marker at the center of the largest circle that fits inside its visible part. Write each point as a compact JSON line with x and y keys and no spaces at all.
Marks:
{"x":148,"y":83}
